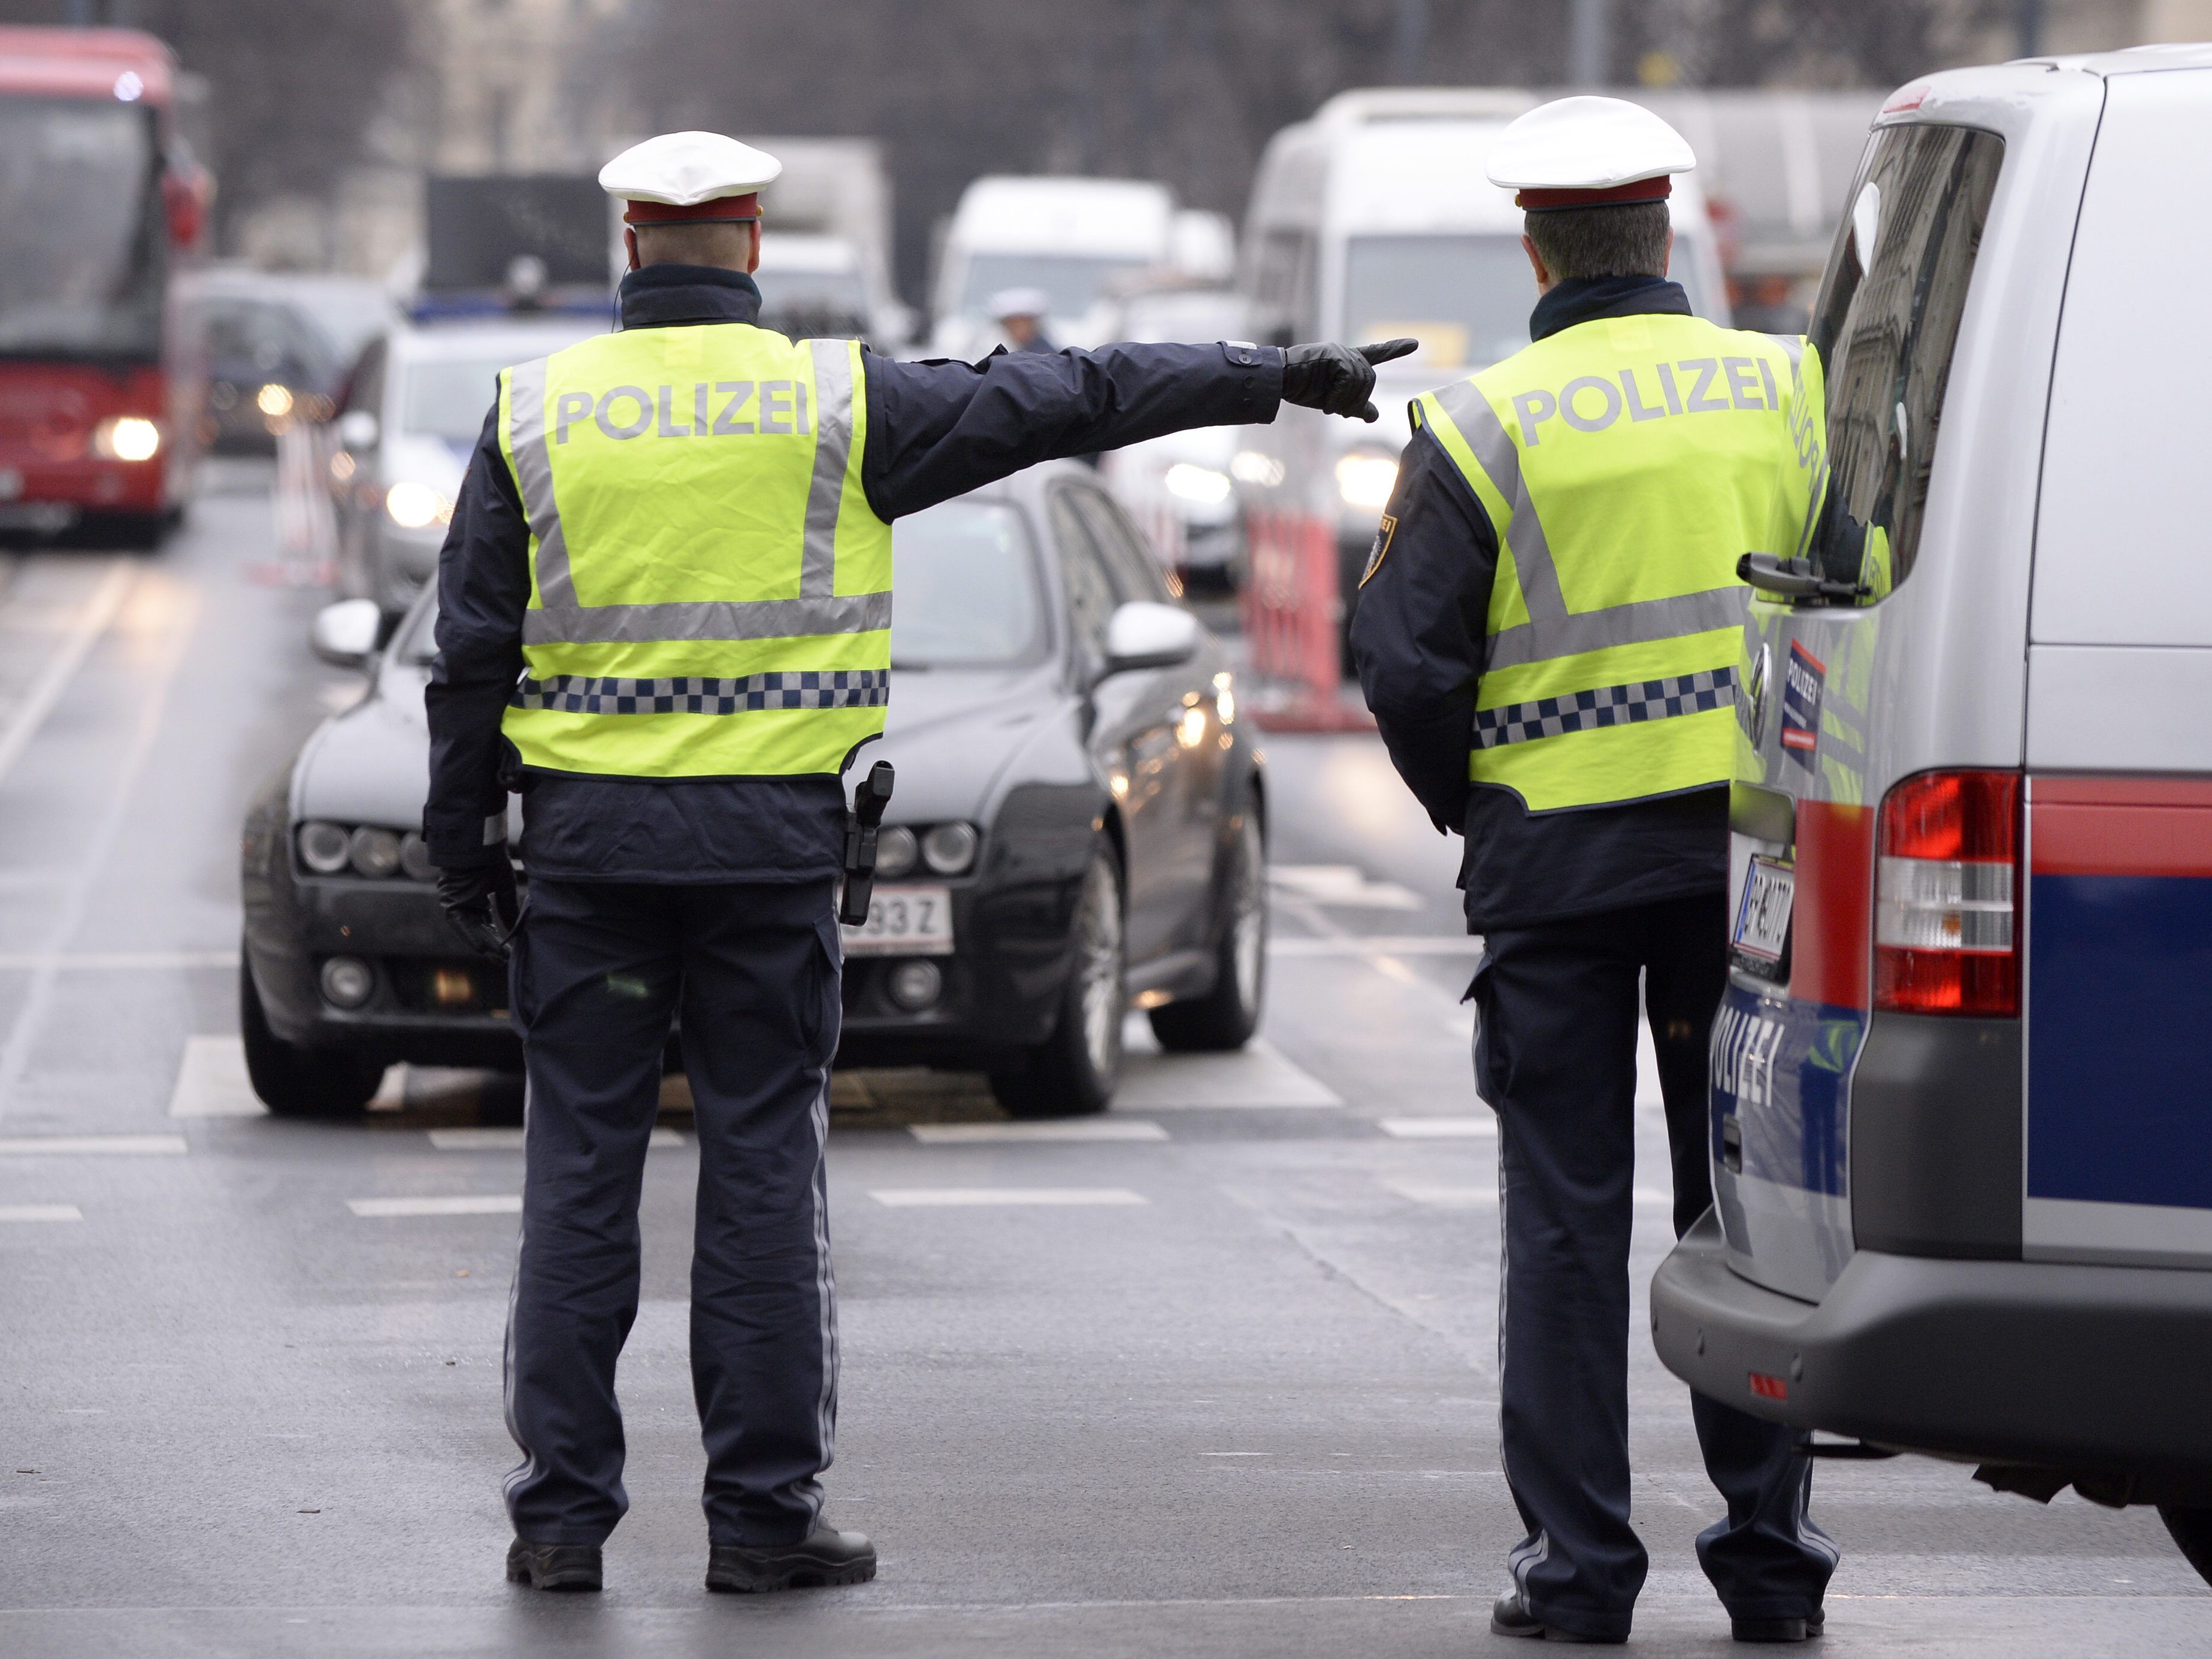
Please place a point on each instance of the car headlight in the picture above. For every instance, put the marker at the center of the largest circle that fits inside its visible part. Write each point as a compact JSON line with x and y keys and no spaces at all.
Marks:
{"x":375,"y":852}
{"x":1366,"y":481}
{"x":416,"y":506}
{"x":949,"y":848}
{"x":894,"y":850}
{"x":1201,"y":485}
{"x":331,"y":849}
{"x":273,"y":400}
{"x":325,"y":848}
{"x":415,"y":856}
{"x":126,"y":438}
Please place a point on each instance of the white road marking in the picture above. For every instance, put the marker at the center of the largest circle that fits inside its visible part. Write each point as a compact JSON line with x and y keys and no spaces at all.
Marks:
{"x":40,"y":1212}
{"x":970,"y":1134}
{"x":91,"y":622}
{"x":1342,"y":885}
{"x":90,"y":1145}
{"x":98,"y":962}
{"x":211,"y":1081}
{"x":1236,"y":1454}
{"x":1446,"y":1197}
{"x":510,"y":1140}
{"x":1376,"y":944}
{"x":936,"y":1197}
{"x":1259,"y":1076}
{"x":454,"y":1204}
{"x":1440,"y":1128}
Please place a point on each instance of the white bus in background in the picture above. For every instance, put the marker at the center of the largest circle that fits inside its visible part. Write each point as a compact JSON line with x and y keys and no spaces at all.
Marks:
{"x":1375,"y":219}
{"x":1079,"y":240}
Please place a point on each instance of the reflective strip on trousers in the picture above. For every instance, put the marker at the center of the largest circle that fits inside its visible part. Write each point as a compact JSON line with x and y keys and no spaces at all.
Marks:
{"x":558,"y":619}
{"x":1553,"y":630}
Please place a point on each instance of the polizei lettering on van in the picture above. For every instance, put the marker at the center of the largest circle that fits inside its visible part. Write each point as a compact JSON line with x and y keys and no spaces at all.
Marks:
{"x":706,"y":408}
{"x":1694,"y":386}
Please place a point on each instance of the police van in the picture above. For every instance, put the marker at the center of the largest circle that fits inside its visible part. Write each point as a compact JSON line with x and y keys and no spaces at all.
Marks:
{"x":1962,"y":1075}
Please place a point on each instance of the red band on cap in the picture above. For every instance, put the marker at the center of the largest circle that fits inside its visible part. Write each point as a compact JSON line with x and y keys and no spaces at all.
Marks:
{"x":1643,"y":190}
{"x":722,"y":207}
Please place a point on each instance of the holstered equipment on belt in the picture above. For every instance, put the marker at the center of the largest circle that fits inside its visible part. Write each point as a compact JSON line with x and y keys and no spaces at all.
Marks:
{"x":861,"y":823}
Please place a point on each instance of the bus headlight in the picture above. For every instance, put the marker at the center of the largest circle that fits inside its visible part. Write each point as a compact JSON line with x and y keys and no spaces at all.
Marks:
{"x":126,"y":438}
{"x":416,"y":506}
{"x":1366,"y":480}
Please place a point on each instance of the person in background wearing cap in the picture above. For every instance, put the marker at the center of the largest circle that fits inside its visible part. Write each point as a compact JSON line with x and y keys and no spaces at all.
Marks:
{"x":1548,"y":632}
{"x":1019,"y":314}
{"x":664,"y":617}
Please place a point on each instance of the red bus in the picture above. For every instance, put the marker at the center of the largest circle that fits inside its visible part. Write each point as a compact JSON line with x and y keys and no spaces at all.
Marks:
{"x":99,"y":199}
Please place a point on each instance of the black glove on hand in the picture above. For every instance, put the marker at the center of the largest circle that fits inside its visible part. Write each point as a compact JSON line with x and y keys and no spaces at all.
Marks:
{"x":480,"y":901}
{"x":1338,"y":380}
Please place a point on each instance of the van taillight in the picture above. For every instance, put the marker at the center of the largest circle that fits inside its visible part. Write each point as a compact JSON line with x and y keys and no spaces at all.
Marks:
{"x":1947,"y":870}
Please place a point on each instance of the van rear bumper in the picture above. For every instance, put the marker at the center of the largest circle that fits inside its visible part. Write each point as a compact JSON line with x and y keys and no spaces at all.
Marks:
{"x":2028,"y":1363}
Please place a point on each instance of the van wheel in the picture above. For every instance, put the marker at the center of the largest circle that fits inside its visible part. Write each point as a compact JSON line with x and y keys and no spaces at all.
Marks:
{"x":2192,"y":1530}
{"x":296,"y":1082}
{"x":1074,"y":1071}
{"x":1225,"y":1017}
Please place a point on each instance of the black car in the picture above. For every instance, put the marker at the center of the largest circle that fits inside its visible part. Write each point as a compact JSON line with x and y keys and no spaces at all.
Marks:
{"x":1079,"y":827}
{"x":275,"y":349}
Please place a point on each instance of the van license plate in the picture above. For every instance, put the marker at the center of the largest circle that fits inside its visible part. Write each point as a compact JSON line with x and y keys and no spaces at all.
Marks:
{"x":1762,"y":920}
{"x":904,"y":921}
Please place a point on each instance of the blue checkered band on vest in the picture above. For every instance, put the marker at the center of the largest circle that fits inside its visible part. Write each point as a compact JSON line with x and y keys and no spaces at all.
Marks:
{"x":584,"y":694}
{"x":1611,"y":705}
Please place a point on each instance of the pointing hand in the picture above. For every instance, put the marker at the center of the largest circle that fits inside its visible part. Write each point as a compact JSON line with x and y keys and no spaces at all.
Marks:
{"x":1338,"y":380}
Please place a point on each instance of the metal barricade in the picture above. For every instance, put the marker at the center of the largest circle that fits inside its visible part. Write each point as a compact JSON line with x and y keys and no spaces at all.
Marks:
{"x":1293,"y":616}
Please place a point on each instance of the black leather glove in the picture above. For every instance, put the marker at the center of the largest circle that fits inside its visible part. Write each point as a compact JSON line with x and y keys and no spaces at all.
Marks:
{"x":481,"y":901}
{"x":1338,"y":380}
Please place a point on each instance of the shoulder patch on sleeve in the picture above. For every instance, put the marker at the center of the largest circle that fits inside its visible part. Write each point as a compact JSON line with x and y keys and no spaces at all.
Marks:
{"x":1381,"y":546}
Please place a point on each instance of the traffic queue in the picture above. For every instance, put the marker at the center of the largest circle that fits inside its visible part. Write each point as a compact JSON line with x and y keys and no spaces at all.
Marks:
{"x":1821,"y":702}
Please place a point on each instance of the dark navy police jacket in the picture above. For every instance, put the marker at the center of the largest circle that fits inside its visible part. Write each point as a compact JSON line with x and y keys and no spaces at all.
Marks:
{"x":1417,"y":639}
{"x":935,"y":431}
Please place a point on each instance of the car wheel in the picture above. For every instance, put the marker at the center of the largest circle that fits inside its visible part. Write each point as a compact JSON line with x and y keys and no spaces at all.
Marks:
{"x":1074,"y":1070}
{"x":296,"y":1082}
{"x":1225,"y":1017}
{"x":2192,"y":1530}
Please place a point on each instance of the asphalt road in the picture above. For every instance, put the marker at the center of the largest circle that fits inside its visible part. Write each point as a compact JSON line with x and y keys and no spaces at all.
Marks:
{"x":1231,"y":1390}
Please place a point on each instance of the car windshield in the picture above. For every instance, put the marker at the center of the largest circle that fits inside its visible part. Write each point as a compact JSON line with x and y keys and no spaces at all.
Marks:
{"x":964,"y":577}
{"x":812,"y":290}
{"x":83,"y":248}
{"x":347,"y":313}
{"x":447,"y":396}
{"x":1072,"y":282}
{"x":1466,"y":298}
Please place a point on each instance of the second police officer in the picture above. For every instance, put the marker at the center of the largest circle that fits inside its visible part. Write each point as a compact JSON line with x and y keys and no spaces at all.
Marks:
{"x":1548,"y":631}
{"x":664,"y":616}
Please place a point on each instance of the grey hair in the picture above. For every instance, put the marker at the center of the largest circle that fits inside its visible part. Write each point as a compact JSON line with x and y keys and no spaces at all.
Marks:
{"x":1627,"y":240}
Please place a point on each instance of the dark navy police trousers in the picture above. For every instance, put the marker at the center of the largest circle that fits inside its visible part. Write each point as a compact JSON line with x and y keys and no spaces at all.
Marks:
{"x":599,"y":967}
{"x":1555,"y":1057}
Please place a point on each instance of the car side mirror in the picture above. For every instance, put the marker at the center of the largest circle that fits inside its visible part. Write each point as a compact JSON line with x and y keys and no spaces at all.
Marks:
{"x":345,"y":634}
{"x":1144,"y":634}
{"x":358,"y":430}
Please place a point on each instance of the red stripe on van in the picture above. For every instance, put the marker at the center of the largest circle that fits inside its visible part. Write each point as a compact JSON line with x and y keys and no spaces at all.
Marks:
{"x":1833,"y":925}
{"x":2120,"y":826}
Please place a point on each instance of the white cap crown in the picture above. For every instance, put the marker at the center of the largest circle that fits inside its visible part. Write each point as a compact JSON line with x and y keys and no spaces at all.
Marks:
{"x":1587,"y":143}
{"x":682,"y":169}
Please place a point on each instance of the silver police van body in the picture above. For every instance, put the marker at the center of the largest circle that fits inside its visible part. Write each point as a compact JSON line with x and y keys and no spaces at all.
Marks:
{"x":1962,"y":1074}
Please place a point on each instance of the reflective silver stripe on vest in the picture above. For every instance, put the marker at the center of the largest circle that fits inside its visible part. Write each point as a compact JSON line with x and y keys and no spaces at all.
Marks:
{"x":707,"y":619}
{"x":1551,"y":629}
{"x":1609,"y":705}
{"x":833,"y":449}
{"x":533,"y":477}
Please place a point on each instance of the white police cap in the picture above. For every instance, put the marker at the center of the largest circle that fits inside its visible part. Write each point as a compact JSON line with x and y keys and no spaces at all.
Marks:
{"x":1018,"y":302}
{"x":690,"y":175}
{"x":1589,"y":152}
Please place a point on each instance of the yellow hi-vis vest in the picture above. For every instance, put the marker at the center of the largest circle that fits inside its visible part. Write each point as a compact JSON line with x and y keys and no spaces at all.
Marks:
{"x":709,"y":589}
{"x":1625,"y":464}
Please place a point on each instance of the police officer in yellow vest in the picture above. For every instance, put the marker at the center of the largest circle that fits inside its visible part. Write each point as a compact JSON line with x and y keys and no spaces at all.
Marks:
{"x":664,"y":615}
{"x":1548,"y":631}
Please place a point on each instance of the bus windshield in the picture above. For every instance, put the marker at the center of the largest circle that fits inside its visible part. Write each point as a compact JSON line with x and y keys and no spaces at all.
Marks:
{"x":81,"y":240}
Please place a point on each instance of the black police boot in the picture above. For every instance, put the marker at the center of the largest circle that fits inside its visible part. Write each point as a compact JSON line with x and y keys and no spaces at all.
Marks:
{"x":1511,"y":1617}
{"x":553,"y":1566}
{"x":827,"y":1556}
{"x":1777,"y":1630}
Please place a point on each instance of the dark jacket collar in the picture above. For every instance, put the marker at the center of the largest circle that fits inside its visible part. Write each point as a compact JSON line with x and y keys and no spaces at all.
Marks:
{"x":1584,"y":299}
{"x":672,"y":296}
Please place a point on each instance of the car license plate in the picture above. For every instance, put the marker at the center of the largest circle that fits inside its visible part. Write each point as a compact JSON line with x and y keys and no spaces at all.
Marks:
{"x":1762,"y":920}
{"x":904,"y":921}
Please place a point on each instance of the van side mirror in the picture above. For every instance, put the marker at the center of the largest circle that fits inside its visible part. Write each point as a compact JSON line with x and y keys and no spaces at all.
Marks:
{"x":358,"y":430}
{"x":345,"y":634}
{"x":1145,"y":635}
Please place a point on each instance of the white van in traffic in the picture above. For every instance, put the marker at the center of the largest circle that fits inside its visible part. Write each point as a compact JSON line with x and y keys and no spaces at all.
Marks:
{"x":1069,"y":237}
{"x":1962,"y":1074}
{"x":1375,"y":219}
